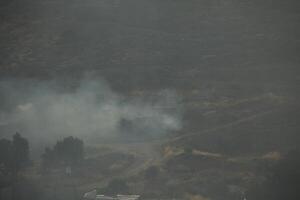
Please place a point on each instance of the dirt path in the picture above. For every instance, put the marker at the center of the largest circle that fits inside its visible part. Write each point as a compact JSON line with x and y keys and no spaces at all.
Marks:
{"x":146,"y":154}
{"x":234,"y":123}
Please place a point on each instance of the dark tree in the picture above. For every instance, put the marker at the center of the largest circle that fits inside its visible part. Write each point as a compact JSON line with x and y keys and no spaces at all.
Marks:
{"x":20,"y":152}
{"x":48,"y":159}
{"x":68,"y":151}
{"x":6,"y":155}
{"x":5,"y":162}
{"x":14,"y":155}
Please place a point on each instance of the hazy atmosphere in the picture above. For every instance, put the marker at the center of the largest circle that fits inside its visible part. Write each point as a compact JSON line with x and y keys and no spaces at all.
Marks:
{"x":44,"y":111}
{"x":149,"y":99}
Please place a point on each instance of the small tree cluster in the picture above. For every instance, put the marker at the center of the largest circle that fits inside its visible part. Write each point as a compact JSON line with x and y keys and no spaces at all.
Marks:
{"x":68,"y":151}
{"x":14,"y":154}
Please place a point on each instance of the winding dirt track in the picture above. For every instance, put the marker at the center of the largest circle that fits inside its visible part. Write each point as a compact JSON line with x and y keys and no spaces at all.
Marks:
{"x":231,"y":124}
{"x":146,"y":155}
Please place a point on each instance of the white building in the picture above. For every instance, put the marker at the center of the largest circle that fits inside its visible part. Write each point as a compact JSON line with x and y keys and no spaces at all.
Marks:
{"x":92,"y":195}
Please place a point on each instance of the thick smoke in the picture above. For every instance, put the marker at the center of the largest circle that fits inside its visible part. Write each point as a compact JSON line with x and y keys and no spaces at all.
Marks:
{"x":45,"y":111}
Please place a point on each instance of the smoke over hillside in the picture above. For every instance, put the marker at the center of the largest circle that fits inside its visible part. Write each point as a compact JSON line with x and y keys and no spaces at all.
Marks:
{"x":44,"y":111}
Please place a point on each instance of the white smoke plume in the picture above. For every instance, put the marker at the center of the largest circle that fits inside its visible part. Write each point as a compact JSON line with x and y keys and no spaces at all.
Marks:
{"x":45,"y":112}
